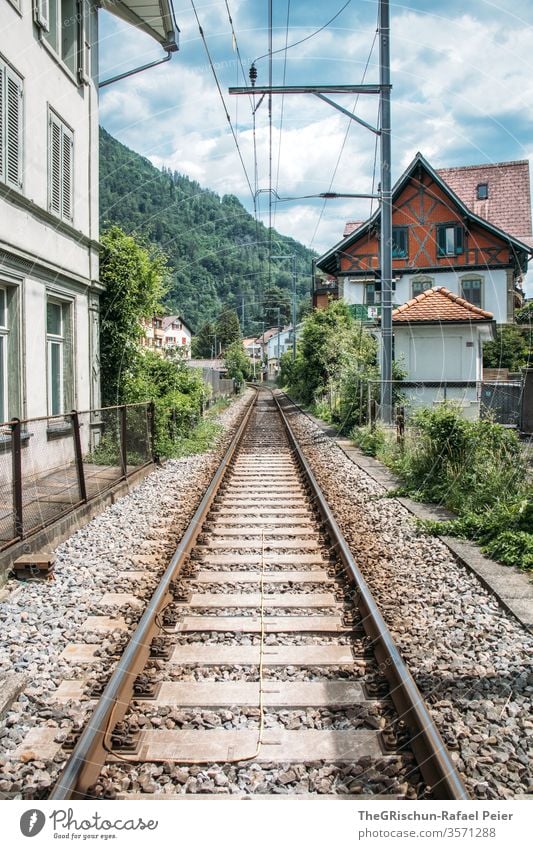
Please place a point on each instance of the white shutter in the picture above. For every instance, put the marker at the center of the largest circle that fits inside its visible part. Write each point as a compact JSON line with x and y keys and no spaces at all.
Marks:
{"x":67,"y":145}
{"x":13,"y":142}
{"x":54,"y":165}
{"x":42,"y":14}
{"x":2,"y":114}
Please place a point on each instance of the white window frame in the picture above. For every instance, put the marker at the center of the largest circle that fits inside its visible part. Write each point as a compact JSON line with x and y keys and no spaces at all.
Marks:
{"x":62,"y":340}
{"x":4,"y":342}
{"x":78,"y":69}
{"x":469,"y":278}
{"x":424,"y":279}
{"x":11,"y":127}
{"x":60,"y":168}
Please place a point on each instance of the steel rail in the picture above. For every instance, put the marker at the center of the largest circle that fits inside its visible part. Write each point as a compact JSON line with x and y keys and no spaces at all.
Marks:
{"x":90,"y":752}
{"x":433,"y":758}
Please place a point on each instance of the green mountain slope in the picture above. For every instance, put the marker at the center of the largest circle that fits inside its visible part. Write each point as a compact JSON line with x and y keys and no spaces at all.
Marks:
{"x":217,"y":251}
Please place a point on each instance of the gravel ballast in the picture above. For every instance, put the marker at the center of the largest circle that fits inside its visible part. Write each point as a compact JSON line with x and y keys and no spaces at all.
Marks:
{"x":470,"y":658}
{"x":39,"y":619}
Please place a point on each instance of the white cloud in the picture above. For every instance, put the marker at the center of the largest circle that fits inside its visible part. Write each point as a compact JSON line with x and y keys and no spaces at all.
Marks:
{"x":462,"y":86}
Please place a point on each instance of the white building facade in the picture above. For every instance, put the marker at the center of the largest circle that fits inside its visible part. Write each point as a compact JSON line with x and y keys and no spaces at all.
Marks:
{"x":49,"y":250}
{"x":49,"y":289}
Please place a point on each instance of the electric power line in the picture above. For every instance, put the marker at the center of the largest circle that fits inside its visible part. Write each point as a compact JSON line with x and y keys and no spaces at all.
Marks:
{"x":346,"y":134}
{"x":307,"y":37}
{"x":235,"y":139}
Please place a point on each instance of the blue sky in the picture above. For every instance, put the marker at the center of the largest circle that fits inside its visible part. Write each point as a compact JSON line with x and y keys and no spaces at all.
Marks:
{"x":462,"y":79}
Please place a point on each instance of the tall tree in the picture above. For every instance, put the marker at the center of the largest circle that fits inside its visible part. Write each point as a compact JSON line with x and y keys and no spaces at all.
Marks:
{"x":203,"y":344}
{"x":228,"y":329}
{"x":135,"y":277}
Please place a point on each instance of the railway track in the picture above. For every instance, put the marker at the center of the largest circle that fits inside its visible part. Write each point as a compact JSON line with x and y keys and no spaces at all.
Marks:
{"x":261,"y":649}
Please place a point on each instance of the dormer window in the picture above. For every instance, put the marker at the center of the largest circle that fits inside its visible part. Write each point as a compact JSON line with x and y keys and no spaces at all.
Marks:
{"x":482,"y":191}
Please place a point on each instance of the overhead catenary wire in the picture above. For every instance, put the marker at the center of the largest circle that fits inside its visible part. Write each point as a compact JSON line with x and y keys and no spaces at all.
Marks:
{"x":345,"y":139}
{"x":307,"y":37}
{"x":228,"y":118}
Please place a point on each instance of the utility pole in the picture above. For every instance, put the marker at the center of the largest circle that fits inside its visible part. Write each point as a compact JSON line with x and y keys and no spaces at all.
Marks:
{"x":384,"y":131}
{"x":386,"y":214}
{"x":279,"y":334}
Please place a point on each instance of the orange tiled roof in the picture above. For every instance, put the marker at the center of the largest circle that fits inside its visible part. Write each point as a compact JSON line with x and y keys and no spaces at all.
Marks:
{"x":508,"y":205}
{"x":439,"y":304}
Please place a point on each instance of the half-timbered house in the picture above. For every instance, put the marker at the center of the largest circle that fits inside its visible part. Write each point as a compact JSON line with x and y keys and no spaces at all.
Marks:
{"x":438,"y":240}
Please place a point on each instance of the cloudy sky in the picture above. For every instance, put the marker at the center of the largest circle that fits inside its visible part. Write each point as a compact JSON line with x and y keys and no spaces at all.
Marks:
{"x":462,"y":92}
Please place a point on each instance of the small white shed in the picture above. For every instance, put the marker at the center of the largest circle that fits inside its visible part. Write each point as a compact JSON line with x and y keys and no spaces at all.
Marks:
{"x":438,"y":339}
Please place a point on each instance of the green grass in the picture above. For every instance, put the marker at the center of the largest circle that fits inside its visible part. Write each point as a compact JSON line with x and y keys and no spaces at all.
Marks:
{"x":202,"y":438}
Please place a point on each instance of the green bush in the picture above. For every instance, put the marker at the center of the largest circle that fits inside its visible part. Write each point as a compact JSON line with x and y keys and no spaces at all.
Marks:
{"x":503,"y":531}
{"x":477,"y":470}
{"x":371,"y":440}
{"x":461,"y":464}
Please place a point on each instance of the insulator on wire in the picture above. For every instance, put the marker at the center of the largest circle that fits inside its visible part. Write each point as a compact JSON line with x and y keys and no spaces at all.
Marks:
{"x":253,"y":74}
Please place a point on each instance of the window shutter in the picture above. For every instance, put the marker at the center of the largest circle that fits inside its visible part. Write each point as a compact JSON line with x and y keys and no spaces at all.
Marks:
{"x":42,"y":14}
{"x":54,"y":176}
{"x":67,"y":144}
{"x":441,"y":241}
{"x":2,"y":108}
{"x":459,"y":240}
{"x":13,"y":124}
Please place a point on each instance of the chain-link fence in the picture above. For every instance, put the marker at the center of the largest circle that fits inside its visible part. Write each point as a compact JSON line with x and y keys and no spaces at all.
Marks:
{"x":415,"y":395}
{"x":52,"y":464}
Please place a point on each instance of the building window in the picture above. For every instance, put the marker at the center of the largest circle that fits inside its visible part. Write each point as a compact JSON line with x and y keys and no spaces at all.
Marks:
{"x":450,"y":240}
{"x":482,"y":191}
{"x":372,"y":294}
{"x":399,"y":242}
{"x":421,"y":284}
{"x":60,"y":168}
{"x":4,"y":338}
{"x":62,"y":25}
{"x":59,"y":356}
{"x":9,"y":359}
{"x":11,"y":129}
{"x":472,"y":290}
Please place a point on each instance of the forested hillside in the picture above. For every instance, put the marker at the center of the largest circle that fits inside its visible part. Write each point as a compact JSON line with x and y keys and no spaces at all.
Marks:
{"x":217,"y":251}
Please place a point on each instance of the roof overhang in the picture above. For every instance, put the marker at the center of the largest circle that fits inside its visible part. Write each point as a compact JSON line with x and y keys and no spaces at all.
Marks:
{"x":154,"y":17}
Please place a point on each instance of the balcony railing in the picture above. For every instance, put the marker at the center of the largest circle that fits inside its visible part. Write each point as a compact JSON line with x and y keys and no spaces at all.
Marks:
{"x":367,"y":312}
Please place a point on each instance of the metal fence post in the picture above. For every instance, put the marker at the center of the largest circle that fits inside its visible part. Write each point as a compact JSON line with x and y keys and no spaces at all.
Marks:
{"x":400,"y":426}
{"x":151,"y":408}
{"x":123,"y":438}
{"x":16,"y":457}
{"x":78,"y":455}
{"x":373,"y":413}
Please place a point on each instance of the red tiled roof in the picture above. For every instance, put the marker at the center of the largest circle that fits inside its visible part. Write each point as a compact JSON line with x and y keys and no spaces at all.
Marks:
{"x":350,"y":226}
{"x":439,"y":304}
{"x":508,"y":205}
